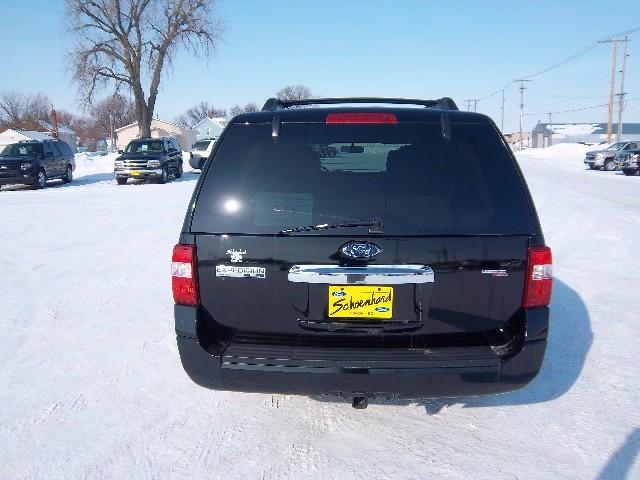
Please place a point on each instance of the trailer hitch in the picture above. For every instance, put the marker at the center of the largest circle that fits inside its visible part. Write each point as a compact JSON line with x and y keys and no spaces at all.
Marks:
{"x":359,"y":401}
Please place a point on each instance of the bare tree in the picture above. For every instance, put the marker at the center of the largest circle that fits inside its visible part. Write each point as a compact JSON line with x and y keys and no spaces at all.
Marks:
{"x":18,"y":110}
{"x":237,"y":109}
{"x":116,"y":108}
{"x":127,"y":43}
{"x":294,"y":92}
{"x":196,"y":113}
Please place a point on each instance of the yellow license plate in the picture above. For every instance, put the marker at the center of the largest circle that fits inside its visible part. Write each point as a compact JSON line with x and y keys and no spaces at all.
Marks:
{"x":361,"y":301}
{"x":135,"y":173}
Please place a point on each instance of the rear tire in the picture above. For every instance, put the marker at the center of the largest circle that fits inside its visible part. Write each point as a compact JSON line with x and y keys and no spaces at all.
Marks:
{"x":122,"y":181}
{"x":609,"y":166}
{"x":68,"y":176}
{"x":179,"y":170}
{"x":629,"y":172}
{"x":201,"y":164}
{"x":40,"y":180}
{"x":593,"y":167}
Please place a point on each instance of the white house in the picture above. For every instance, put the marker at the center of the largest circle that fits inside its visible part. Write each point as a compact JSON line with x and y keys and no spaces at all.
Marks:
{"x":12,"y":136}
{"x":210,"y":127}
{"x":64,"y":133}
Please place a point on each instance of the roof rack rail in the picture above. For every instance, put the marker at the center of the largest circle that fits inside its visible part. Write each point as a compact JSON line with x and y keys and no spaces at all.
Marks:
{"x":444,"y":103}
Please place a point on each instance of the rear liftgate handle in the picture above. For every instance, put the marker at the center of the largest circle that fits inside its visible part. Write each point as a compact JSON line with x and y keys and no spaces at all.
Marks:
{"x":366,"y":275}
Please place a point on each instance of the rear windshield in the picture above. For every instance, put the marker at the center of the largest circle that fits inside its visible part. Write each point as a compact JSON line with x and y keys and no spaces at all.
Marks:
{"x":408,"y":175}
{"x":202,"y":145}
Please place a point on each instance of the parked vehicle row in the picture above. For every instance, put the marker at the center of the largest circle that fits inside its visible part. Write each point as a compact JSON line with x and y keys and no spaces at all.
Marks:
{"x":631,"y":163}
{"x":33,"y":162}
{"x":612,"y":157}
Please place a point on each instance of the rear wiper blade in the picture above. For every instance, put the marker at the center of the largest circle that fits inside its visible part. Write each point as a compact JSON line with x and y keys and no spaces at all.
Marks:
{"x":375,"y":226}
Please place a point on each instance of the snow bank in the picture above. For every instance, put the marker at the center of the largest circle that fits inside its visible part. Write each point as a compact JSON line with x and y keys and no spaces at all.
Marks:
{"x":90,"y":163}
{"x":561,"y":152}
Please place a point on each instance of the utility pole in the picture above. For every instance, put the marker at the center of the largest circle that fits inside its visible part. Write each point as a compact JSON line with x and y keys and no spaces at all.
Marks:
{"x":468,"y":100}
{"x":502,"y":114}
{"x":112,"y":146}
{"x":522,"y":89}
{"x":475,"y":105}
{"x":614,"y":43}
{"x":622,"y":92}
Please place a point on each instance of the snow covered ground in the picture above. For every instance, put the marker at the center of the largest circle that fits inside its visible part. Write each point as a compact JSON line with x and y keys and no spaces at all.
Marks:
{"x":91,"y":385}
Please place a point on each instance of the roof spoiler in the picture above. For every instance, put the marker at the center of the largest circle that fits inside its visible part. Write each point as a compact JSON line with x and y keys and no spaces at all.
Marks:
{"x":444,"y":103}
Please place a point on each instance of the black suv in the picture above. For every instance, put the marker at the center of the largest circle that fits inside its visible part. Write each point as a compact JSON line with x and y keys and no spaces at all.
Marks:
{"x":149,"y":158}
{"x":630,"y":162}
{"x":32,"y":162}
{"x":411,"y":263}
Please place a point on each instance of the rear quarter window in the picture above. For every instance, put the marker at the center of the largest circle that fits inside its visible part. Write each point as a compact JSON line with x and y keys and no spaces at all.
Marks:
{"x":66,"y":150}
{"x":407,"y":174}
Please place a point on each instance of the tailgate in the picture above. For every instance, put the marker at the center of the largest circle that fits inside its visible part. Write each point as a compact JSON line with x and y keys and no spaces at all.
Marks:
{"x":269,"y":284}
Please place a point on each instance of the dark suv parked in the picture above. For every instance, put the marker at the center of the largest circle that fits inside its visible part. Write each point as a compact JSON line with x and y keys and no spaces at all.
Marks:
{"x":32,"y":162}
{"x":410,"y":263}
{"x":630,"y":162}
{"x":149,"y":158}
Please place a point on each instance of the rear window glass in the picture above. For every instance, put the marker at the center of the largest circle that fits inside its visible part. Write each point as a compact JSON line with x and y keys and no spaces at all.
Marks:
{"x":202,"y":145}
{"x":56,"y":149}
{"x":66,"y":150}
{"x":409,"y":176}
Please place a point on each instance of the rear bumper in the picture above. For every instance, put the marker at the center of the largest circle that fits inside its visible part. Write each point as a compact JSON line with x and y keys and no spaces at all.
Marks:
{"x":440,"y":372}
{"x":195,"y":161}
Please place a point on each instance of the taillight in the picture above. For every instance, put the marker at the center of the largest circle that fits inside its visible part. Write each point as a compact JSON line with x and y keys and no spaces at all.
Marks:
{"x":361,"y":117}
{"x":537,"y":288}
{"x":184,"y":280}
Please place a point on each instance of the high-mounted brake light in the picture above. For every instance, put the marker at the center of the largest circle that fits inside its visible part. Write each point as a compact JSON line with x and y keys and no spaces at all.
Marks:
{"x":361,"y":117}
{"x":184,"y":280}
{"x":537,"y":288}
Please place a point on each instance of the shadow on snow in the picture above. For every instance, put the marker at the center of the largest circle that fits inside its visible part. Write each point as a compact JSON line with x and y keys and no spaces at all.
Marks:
{"x":570,"y":338}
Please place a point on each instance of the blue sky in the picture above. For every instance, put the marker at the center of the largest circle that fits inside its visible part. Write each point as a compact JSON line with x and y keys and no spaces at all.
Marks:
{"x":404,"y":48}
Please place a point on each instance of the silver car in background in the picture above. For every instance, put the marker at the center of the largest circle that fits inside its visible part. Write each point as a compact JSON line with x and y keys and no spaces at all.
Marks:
{"x":609,"y":158}
{"x":200,"y":152}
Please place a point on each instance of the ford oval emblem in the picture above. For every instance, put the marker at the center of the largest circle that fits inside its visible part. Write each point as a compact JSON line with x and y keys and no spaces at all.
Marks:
{"x":360,"y":250}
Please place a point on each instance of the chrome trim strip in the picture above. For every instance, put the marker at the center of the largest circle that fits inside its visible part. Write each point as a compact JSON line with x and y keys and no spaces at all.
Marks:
{"x":142,"y":170}
{"x":367,"y":275}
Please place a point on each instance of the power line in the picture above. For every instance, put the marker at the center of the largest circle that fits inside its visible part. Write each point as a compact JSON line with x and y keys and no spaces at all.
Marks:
{"x":570,"y":58}
{"x":571,"y":97}
{"x":568,"y":111}
{"x":581,"y":52}
{"x":493,"y":94}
